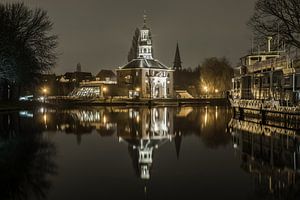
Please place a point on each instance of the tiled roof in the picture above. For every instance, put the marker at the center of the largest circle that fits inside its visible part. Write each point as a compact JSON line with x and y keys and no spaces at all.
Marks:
{"x":144,"y":63}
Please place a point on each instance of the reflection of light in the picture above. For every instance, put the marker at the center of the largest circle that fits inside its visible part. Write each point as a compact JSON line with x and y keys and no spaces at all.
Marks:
{"x":104,"y":119}
{"x":216,"y":112}
{"x":45,"y":119}
{"x":138,"y":119}
{"x":137,"y":89}
{"x":235,"y":146}
{"x":216,"y":90}
{"x":42,"y":109}
{"x":26,"y":114}
{"x":205,"y":117}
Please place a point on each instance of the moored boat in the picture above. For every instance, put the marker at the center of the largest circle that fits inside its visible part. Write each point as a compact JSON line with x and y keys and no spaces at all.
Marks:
{"x":268,"y":80}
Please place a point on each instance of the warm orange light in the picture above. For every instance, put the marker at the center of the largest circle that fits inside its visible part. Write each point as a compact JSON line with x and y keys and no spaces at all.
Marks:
{"x":205,"y":88}
{"x":138,"y":89}
{"x":45,"y":90}
{"x":104,"y":89}
{"x":216,"y":90}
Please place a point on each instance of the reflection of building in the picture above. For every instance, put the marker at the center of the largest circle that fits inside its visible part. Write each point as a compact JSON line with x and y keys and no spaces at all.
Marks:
{"x":270,"y":154}
{"x":145,"y":76}
{"x":77,"y":122}
{"x":146,"y":130}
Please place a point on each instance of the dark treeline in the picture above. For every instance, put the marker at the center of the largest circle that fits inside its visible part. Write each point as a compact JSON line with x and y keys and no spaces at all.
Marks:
{"x":213,"y":76}
{"x":27,"y":47}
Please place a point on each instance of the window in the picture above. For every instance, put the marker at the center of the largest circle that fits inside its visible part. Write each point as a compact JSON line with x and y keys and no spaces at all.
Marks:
{"x":287,"y":81}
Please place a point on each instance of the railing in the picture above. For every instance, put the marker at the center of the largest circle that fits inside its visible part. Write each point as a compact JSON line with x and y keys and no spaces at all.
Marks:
{"x":275,"y":63}
{"x":268,"y":105}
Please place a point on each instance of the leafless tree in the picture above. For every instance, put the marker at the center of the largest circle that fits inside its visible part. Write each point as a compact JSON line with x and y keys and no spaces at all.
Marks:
{"x":216,"y":74}
{"x":277,"y":18}
{"x":27,"y":46}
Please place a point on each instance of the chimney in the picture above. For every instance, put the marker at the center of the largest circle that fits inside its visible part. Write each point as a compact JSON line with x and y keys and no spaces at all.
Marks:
{"x":269,"y":44}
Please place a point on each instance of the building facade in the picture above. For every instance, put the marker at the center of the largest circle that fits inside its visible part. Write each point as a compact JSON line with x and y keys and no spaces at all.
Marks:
{"x":144,"y":76}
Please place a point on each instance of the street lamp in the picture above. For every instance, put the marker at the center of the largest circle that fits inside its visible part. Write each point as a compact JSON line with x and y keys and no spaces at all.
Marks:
{"x":216,"y":92}
{"x":137,"y":90}
{"x":45,"y":91}
{"x":104,"y":89}
{"x":205,"y":90}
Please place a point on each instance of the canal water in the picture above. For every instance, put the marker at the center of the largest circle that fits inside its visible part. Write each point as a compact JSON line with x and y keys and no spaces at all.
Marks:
{"x":145,"y":153}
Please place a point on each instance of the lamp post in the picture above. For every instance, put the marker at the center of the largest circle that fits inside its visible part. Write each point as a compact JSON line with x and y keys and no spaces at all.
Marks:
{"x":205,"y":90}
{"x":45,"y":90}
{"x":216,"y":92}
{"x":138,"y":91}
{"x":104,"y":89}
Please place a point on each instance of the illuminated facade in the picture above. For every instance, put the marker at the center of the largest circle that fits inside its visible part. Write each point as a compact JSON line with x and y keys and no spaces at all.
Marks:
{"x":144,"y":76}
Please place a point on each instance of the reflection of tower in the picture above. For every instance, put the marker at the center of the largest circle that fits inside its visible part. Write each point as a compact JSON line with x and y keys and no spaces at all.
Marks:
{"x":178,"y":139}
{"x":145,"y":132}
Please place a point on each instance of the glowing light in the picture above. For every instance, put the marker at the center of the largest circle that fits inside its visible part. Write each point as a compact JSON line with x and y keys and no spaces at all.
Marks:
{"x":45,"y":90}
{"x":104,"y":89}
{"x":205,"y":88}
{"x":137,"y":89}
{"x":216,"y":90}
{"x":45,"y":118}
{"x":205,"y":116}
{"x":104,"y":119}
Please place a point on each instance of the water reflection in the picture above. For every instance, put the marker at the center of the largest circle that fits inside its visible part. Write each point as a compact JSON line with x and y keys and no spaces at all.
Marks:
{"x":32,"y":137}
{"x":144,"y":130}
{"x":271,"y":155}
{"x":26,"y":158}
{"x":189,"y":143}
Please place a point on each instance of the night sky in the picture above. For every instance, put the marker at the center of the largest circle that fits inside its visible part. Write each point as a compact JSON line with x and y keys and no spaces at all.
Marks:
{"x":98,"y":33}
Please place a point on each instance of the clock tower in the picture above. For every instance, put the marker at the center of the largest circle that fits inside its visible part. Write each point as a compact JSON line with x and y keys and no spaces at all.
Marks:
{"x":145,"y":49}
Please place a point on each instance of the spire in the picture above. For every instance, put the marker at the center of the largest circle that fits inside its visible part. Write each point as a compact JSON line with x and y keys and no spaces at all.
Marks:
{"x":78,"y":67}
{"x":145,"y":19}
{"x":177,"y":60}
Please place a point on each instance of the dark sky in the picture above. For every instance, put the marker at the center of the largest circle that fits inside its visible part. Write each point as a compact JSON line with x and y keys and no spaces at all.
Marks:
{"x":98,"y":33}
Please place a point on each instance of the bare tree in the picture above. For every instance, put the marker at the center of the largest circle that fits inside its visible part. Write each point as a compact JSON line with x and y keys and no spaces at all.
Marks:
{"x":216,"y":74}
{"x":27,"y":46}
{"x":277,"y":17}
